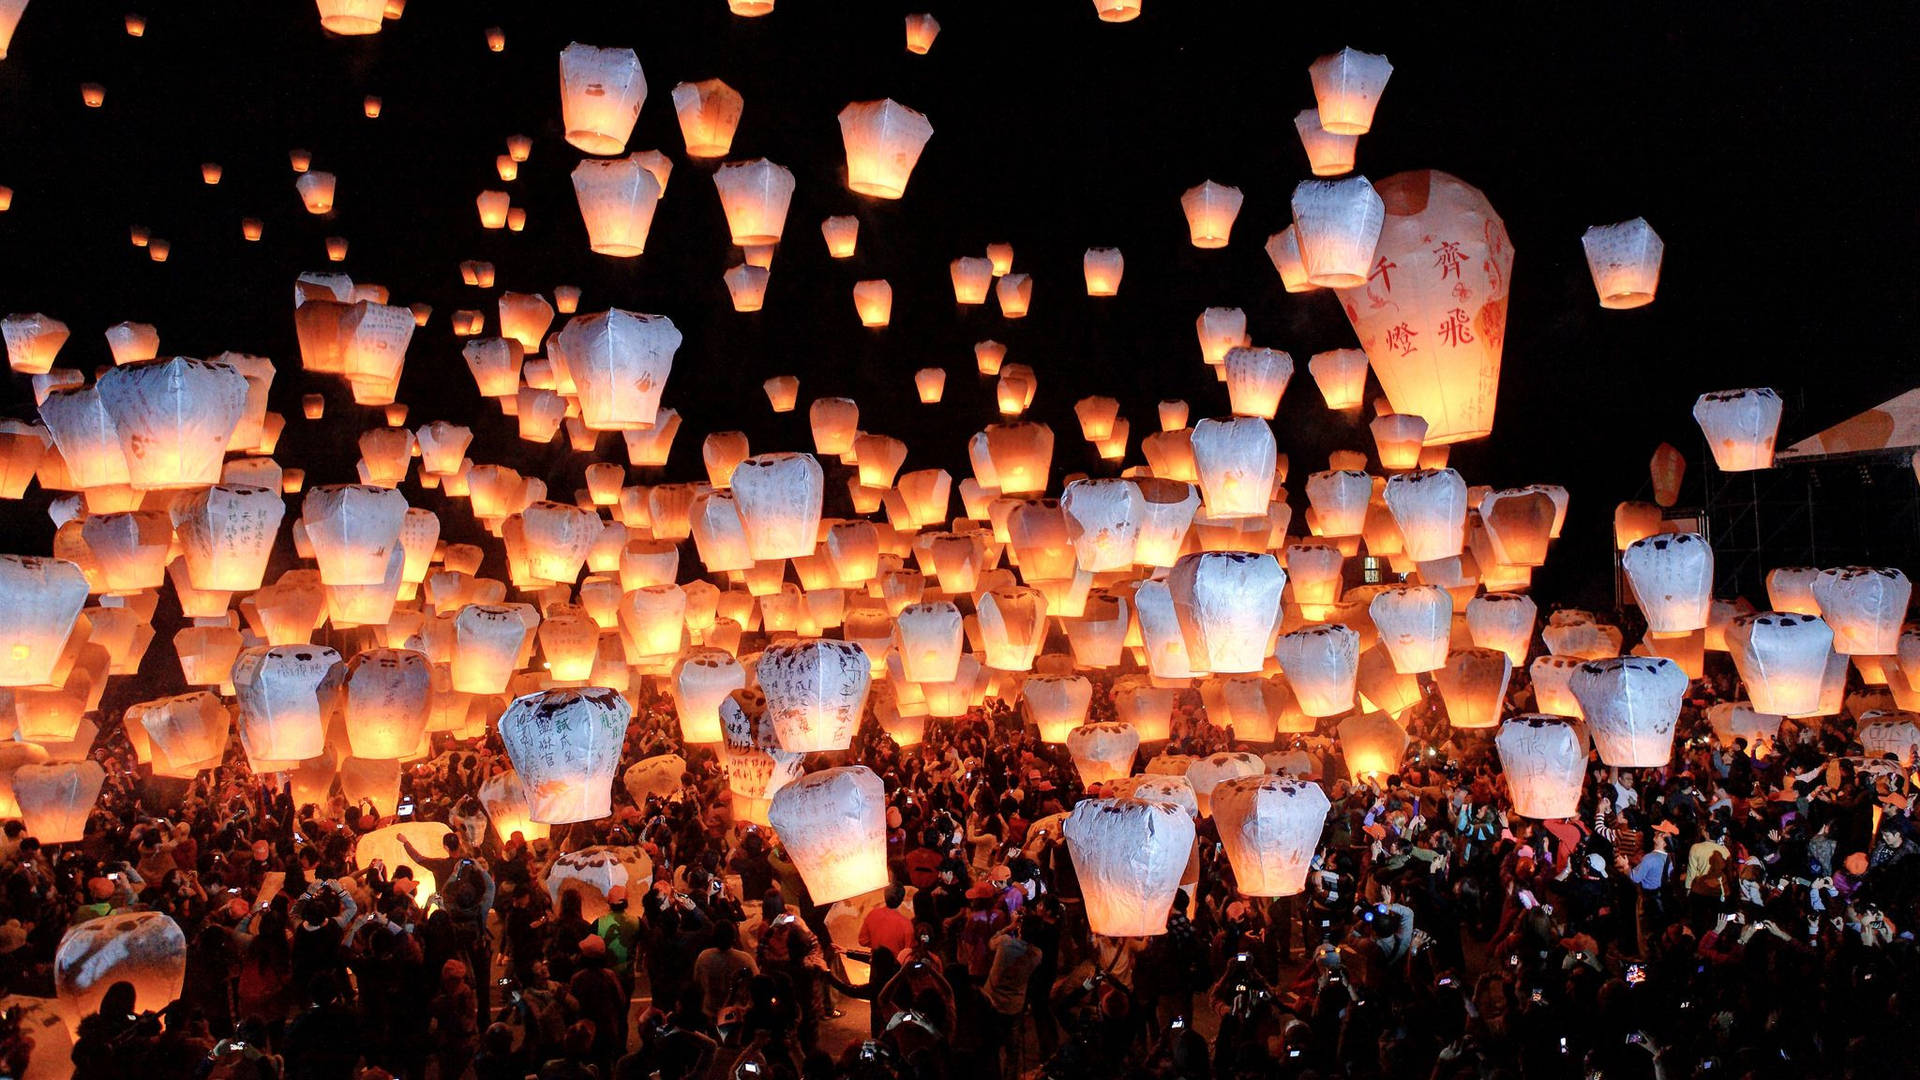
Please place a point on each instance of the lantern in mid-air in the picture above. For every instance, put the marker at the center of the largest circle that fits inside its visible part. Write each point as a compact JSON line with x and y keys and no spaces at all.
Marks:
{"x":601,"y":91}
{"x":1129,"y":855}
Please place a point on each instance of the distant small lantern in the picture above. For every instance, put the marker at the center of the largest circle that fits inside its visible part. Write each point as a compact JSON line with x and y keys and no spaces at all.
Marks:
{"x":350,"y":17}
{"x":601,"y":91}
{"x":1102,"y":267}
{"x":1283,"y":250}
{"x":1117,"y":10}
{"x":1740,"y":426}
{"x":930,"y":384}
{"x":922,"y":28}
{"x":842,"y":232}
{"x":316,"y":191}
{"x":1328,"y":153}
{"x":883,"y":141}
{"x":1256,"y":380}
{"x":1342,"y":377}
{"x":1625,"y":262}
{"x":709,"y":113}
{"x":617,"y":199}
{"x":873,"y":300}
{"x":783,"y":392}
{"x":1348,"y":85}
{"x":1544,"y":760}
{"x":565,"y":744}
{"x":755,"y":195}
{"x":1338,"y":225}
{"x":1630,"y":704}
{"x":1211,"y":209}
{"x":1015,"y":294}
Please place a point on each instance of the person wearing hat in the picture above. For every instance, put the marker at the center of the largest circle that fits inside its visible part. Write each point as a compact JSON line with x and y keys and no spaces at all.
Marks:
{"x":454,"y":1019}
{"x":602,"y":999}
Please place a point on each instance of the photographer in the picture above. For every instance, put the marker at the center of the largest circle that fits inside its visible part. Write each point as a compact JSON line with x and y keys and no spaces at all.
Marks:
{"x":114,"y":1042}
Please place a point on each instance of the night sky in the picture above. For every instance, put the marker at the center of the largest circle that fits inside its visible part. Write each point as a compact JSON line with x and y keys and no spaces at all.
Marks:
{"x":1772,"y":146}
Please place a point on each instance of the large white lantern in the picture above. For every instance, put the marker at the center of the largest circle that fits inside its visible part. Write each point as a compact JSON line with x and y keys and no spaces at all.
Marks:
{"x":619,"y":361}
{"x":145,"y":948}
{"x":46,"y":596}
{"x":1321,"y":663}
{"x":1228,"y":604}
{"x":1782,"y":658}
{"x":702,"y":679}
{"x":755,"y":196}
{"x":1503,"y":621}
{"x":56,"y":799}
{"x":617,"y":198}
{"x":1415,"y":623}
{"x":174,"y":418}
{"x":1473,"y":682}
{"x":1630,"y":704}
{"x":1206,"y":773}
{"x":1347,"y":87}
{"x":816,"y":691}
{"x":353,"y":529}
{"x":1337,"y":224}
{"x":1235,"y":461}
{"x":1624,"y":260}
{"x":280,"y":690}
{"x":1544,"y":759}
{"x":1865,"y":606}
{"x":565,"y":744}
{"x":833,"y":824}
{"x":1373,"y":745}
{"x":1672,"y":575}
{"x":779,"y":498}
{"x":1129,"y":855}
{"x":1740,"y":426}
{"x":883,"y":141}
{"x":1270,"y":827}
{"x":601,"y":91}
{"x":1430,"y":507}
{"x":1103,"y":522}
{"x":1057,"y":704}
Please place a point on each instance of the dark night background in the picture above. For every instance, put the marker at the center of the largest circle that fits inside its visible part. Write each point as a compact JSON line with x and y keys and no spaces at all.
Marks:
{"x":1771,"y":145}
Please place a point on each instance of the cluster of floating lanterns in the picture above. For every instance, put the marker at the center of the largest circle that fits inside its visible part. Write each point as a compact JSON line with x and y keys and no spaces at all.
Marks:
{"x":1186,"y":570}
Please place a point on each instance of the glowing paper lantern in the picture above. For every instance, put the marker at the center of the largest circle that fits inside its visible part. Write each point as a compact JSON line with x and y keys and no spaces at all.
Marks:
{"x":1740,"y":426}
{"x":1117,"y":10}
{"x":1430,"y":508}
{"x":280,"y":690}
{"x":1864,"y":605}
{"x":619,"y":361}
{"x":1022,"y":455}
{"x":174,"y":419}
{"x":1544,"y":759}
{"x":1102,"y":267}
{"x":1347,"y":87}
{"x":1328,"y":153}
{"x":1790,"y":589}
{"x":46,"y":596}
{"x":56,"y":799}
{"x":833,"y":824}
{"x":709,"y":113}
{"x":779,"y":497}
{"x":1256,"y":379}
{"x":816,"y":691}
{"x":1013,"y":623}
{"x":1211,"y":209}
{"x":1882,"y":733}
{"x":702,"y":679}
{"x":1373,"y":745}
{"x":1129,"y":856}
{"x":1270,"y":827}
{"x":505,"y":801}
{"x":755,"y":195}
{"x":1227,"y":604}
{"x":1473,"y":682}
{"x":1782,"y":658}
{"x":389,"y":695}
{"x":353,"y":529}
{"x":487,"y":642}
{"x":1206,"y":773}
{"x":873,"y":300}
{"x":352,"y":17}
{"x":1337,"y":224}
{"x":1057,"y":704}
{"x":1415,"y":622}
{"x":144,"y":948}
{"x":1436,"y":355}
{"x":1625,"y":262}
{"x":1102,"y":522}
{"x":1503,"y":621}
{"x":1339,"y":499}
{"x":1235,"y":461}
{"x":601,"y":91}
{"x":929,"y":638}
{"x":1320,"y":663}
{"x":922,"y":28}
{"x":1672,"y":575}
{"x":1630,"y":704}
{"x":565,"y":744}
{"x":617,"y":200}
{"x":1103,"y":752}
{"x":883,"y":141}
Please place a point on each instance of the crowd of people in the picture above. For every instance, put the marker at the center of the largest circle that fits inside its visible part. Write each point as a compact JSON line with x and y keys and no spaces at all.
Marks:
{"x":1744,"y":911}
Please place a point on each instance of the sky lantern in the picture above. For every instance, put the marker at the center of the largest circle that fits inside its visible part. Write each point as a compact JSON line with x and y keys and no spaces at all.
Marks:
{"x":132,"y":341}
{"x":1518,"y":523}
{"x":617,"y":198}
{"x":1015,"y":294}
{"x":1397,"y":439}
{"x":1503,"y":621}
{"x":1341,"y":375}
{"x":1270,"y":827}
{"x":601,"y":91}
{"x":1667,"y":468}
{"x":1625,"y":262}
{"x":1373,"y":744}
{"x":226,"y":534}
{"x":779,"y":498}
{"x":56,"y":799}
{"x":873,"y":300}
{"x":1552,"y":678}
{"x":1337,"y":224}
{"x":835,"y":421}
{"x":619,"y":361}
{"x":1544,"y":760}
{"x":755,"y":195}
{"x":1474,"y":684}
{"x":1129,"y":855}
{"x":188,"y":730}
{"x":1211,"y":209}
{"x":486,"y":647}
{"x":709,"y":113}
{"x":1790,"y":589}
{"x":1339,"y":498}
{"x":1057,"y":704}
{"x":557,"y":538}
{"x":1634,"y":521}
{"x":1206,"y":773}
{"x":1882,"y":733}
{"x":1013,"y":621}
{"x":1415,"y":622}
{"x":1283,"y":250}
{"x":1672,"y":576}
{"x":1320,"y":663}
{"x":702,"y":679}
{"x":1436,"y":354}
{"x":351,"y":17}
{"x":174,"y":419}
{"x":565,"y":744}
{"x":833,"y":825}
{"x":1630,"y":704}
{"x":1102,"y":522}
{"x":1114,"y":11}
{"x":1782,"y":658}
{"x":353,"y":529}
{"x":280,"y":689}
{"x":1328,"y":153}
{"x":930,"y":384}
{"x":1235,"y":461}
{"x":816,"y":691}
{"x":746,"y":287}
{"x":1102,"y":268}
{"x":1022,"y":455}
{"x":1227,"y":604}
{"x":1256,"y":379}
{"x":131,"y":547}
{"x":883,"y":140}
{"x":756,"y":766}
{"x":505,"y":800}
{"x":1430,"y":508}
{"x":388,"y":698}
{"x":1347,"y":85}
{"x":988,"y":356}
{"x":929,"y":638}
{"x":1096,"y":416}
{"x":1103,"y":752}
{"x":146,"y":949}
{"x":1739,"y":426}
{"x":922,"y":28}
{"x":1865,"y":606}
{"x":495,"y":364}
{"x":316,"y":191}
{"x":971,"y":276}
{"x":842,"y":233}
